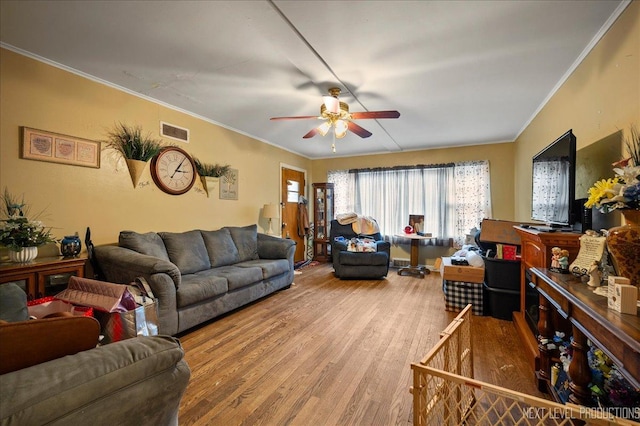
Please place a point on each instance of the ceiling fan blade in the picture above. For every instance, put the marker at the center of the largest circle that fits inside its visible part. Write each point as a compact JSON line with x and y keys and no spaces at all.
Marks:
{"x":374,"y":114}
{"x":301,"y":117}
{"x":311,"y":133}
{"x":363,"y":133}
{"x":332,"y":104}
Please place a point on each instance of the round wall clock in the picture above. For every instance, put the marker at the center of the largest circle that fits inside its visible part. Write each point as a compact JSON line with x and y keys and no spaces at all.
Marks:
{"x":173,"y":170}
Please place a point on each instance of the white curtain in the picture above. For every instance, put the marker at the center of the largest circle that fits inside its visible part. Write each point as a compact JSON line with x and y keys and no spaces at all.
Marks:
{"x":473,"y":196}
{"x":453,"y":198}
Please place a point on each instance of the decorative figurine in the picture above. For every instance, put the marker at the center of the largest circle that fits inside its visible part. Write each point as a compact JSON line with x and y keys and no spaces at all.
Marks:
{"x":555,"y":256}
{"x":564,"y":261}
{"x":595,"y":276}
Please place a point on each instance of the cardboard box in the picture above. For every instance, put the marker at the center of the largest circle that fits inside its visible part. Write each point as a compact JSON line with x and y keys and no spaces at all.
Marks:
{"x":499,"y":231}
{"x":469,"y":274}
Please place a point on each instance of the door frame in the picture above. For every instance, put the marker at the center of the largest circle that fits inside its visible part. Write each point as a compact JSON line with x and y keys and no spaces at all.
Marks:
{"x":307,"y":185}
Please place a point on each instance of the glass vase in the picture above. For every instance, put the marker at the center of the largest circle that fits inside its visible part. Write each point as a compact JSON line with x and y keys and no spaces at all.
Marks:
{"x":623,"y":243}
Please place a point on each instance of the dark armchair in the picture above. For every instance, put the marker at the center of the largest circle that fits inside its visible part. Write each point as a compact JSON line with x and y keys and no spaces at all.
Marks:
{"x":348,"y":264}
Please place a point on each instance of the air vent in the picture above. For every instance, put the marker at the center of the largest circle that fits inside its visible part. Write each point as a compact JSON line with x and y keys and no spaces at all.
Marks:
{"x":174,"y":132}
{"x":400,"y":263}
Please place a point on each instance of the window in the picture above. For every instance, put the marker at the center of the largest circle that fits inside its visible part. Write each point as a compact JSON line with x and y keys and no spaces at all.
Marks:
{"x":452,"y":197}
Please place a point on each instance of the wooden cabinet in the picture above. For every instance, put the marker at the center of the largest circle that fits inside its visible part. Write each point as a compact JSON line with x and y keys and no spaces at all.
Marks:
{"x":616,"y":334}
{"x":536,"y":253}
{"x":322,"y":216}
{"x":44,"y":276}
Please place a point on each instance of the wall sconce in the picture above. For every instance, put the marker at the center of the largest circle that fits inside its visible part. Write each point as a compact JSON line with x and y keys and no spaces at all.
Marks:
{"x":270,"y":211}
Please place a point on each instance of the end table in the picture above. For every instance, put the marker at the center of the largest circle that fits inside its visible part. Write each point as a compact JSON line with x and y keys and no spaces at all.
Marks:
{"x":45,"y":276}
{"x":414,"y":268}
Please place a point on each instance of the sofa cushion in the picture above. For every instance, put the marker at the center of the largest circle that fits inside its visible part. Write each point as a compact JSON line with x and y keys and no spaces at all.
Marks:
{"x":150,"y":243}
{"x":270,"y":267}
{"x":187,"y":251}
{"x":238,"y":277}
{"x":246,"y":239}
{"x":199,"y":287}
{"x":221,"y":248}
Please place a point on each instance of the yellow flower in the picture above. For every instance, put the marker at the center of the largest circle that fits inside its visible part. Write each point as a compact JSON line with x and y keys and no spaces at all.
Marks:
{"x":600,"y":190}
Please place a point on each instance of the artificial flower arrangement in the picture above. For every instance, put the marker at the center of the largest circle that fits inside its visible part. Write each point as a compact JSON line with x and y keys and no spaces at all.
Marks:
{"x":623,"y":190}
{"x":16,"y":229}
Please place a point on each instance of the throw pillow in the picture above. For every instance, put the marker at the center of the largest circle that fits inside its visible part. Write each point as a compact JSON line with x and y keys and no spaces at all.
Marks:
{"x":246,"y":240}
{"x":150,"y":243}
{"x":187,"y":251}
{"x":221,"y":248}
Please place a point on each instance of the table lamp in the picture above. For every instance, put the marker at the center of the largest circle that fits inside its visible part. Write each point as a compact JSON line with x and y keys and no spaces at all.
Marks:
{"x":270,"y":211}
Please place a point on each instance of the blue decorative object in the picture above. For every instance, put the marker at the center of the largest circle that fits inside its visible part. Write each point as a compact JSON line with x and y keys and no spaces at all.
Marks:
{"x":70,"y":246}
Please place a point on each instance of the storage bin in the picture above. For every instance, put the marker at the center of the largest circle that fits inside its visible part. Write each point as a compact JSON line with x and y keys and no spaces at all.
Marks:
{"x":502,"y":303}
{"x":458,"y":294}
{"x":501,"y":273}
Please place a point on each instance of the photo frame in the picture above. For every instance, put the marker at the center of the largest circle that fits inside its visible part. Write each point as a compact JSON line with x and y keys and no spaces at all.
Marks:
{"x":229,"y":185}
{"x":416,"y":221}
{"x":41,"y":145}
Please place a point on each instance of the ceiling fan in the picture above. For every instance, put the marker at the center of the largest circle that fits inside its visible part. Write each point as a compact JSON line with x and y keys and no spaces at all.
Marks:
{"x":336,"y":114}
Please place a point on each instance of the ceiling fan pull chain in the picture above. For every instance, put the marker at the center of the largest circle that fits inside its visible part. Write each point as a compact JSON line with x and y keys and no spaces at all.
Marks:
{"x":333,"y":148}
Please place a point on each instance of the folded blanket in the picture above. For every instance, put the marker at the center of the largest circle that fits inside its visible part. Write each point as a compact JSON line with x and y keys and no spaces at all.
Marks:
{"x":346,"y":218}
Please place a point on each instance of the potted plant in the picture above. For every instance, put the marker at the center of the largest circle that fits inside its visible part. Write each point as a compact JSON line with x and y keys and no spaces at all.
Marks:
{"x":136,"y":148}
{"x":21,"y":235}
{"x":210,"y":174}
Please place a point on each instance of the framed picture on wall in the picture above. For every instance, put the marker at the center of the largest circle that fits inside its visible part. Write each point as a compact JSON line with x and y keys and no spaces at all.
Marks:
{"x":57,"y":148}
{"x":229,"y":185}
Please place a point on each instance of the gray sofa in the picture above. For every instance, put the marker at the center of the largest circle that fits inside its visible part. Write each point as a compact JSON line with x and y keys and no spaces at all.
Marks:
{"x":48,"y":378}
{"x":199,"y":275}
{"x":137,"y":381}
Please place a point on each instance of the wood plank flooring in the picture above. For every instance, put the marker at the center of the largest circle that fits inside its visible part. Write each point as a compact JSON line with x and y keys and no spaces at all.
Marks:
{"x":332,"y":352}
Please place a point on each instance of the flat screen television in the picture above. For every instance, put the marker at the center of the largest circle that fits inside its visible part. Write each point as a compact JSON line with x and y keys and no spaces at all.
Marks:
{"x":554,"y":180}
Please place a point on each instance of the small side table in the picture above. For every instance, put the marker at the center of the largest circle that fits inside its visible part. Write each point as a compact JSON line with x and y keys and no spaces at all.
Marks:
{"x":44,"y":276}
{"x":414,"y":268}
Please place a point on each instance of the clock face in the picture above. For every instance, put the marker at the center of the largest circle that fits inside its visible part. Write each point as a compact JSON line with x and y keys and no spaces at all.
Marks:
{"x":173,"y":171}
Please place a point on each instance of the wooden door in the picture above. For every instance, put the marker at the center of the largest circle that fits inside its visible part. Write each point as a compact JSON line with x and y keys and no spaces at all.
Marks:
{"x":293,"y":185}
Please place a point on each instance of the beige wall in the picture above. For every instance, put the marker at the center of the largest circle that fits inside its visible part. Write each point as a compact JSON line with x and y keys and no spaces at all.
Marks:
{"x":37,"y":95}
{"x":601,"y":97}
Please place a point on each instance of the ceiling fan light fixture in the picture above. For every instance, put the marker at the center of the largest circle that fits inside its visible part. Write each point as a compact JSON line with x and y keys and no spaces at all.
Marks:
{"x":341,"y":128}
{"x":324,"y":128}
{"x":337,"y":115}
{"x":332,"y":104}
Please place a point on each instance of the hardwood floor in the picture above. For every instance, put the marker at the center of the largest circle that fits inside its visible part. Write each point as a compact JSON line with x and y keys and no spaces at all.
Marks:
{"x":331,"y":352}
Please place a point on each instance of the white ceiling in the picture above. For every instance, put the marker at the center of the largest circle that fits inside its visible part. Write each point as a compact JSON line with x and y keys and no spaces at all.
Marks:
{"x":459,"y":72}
